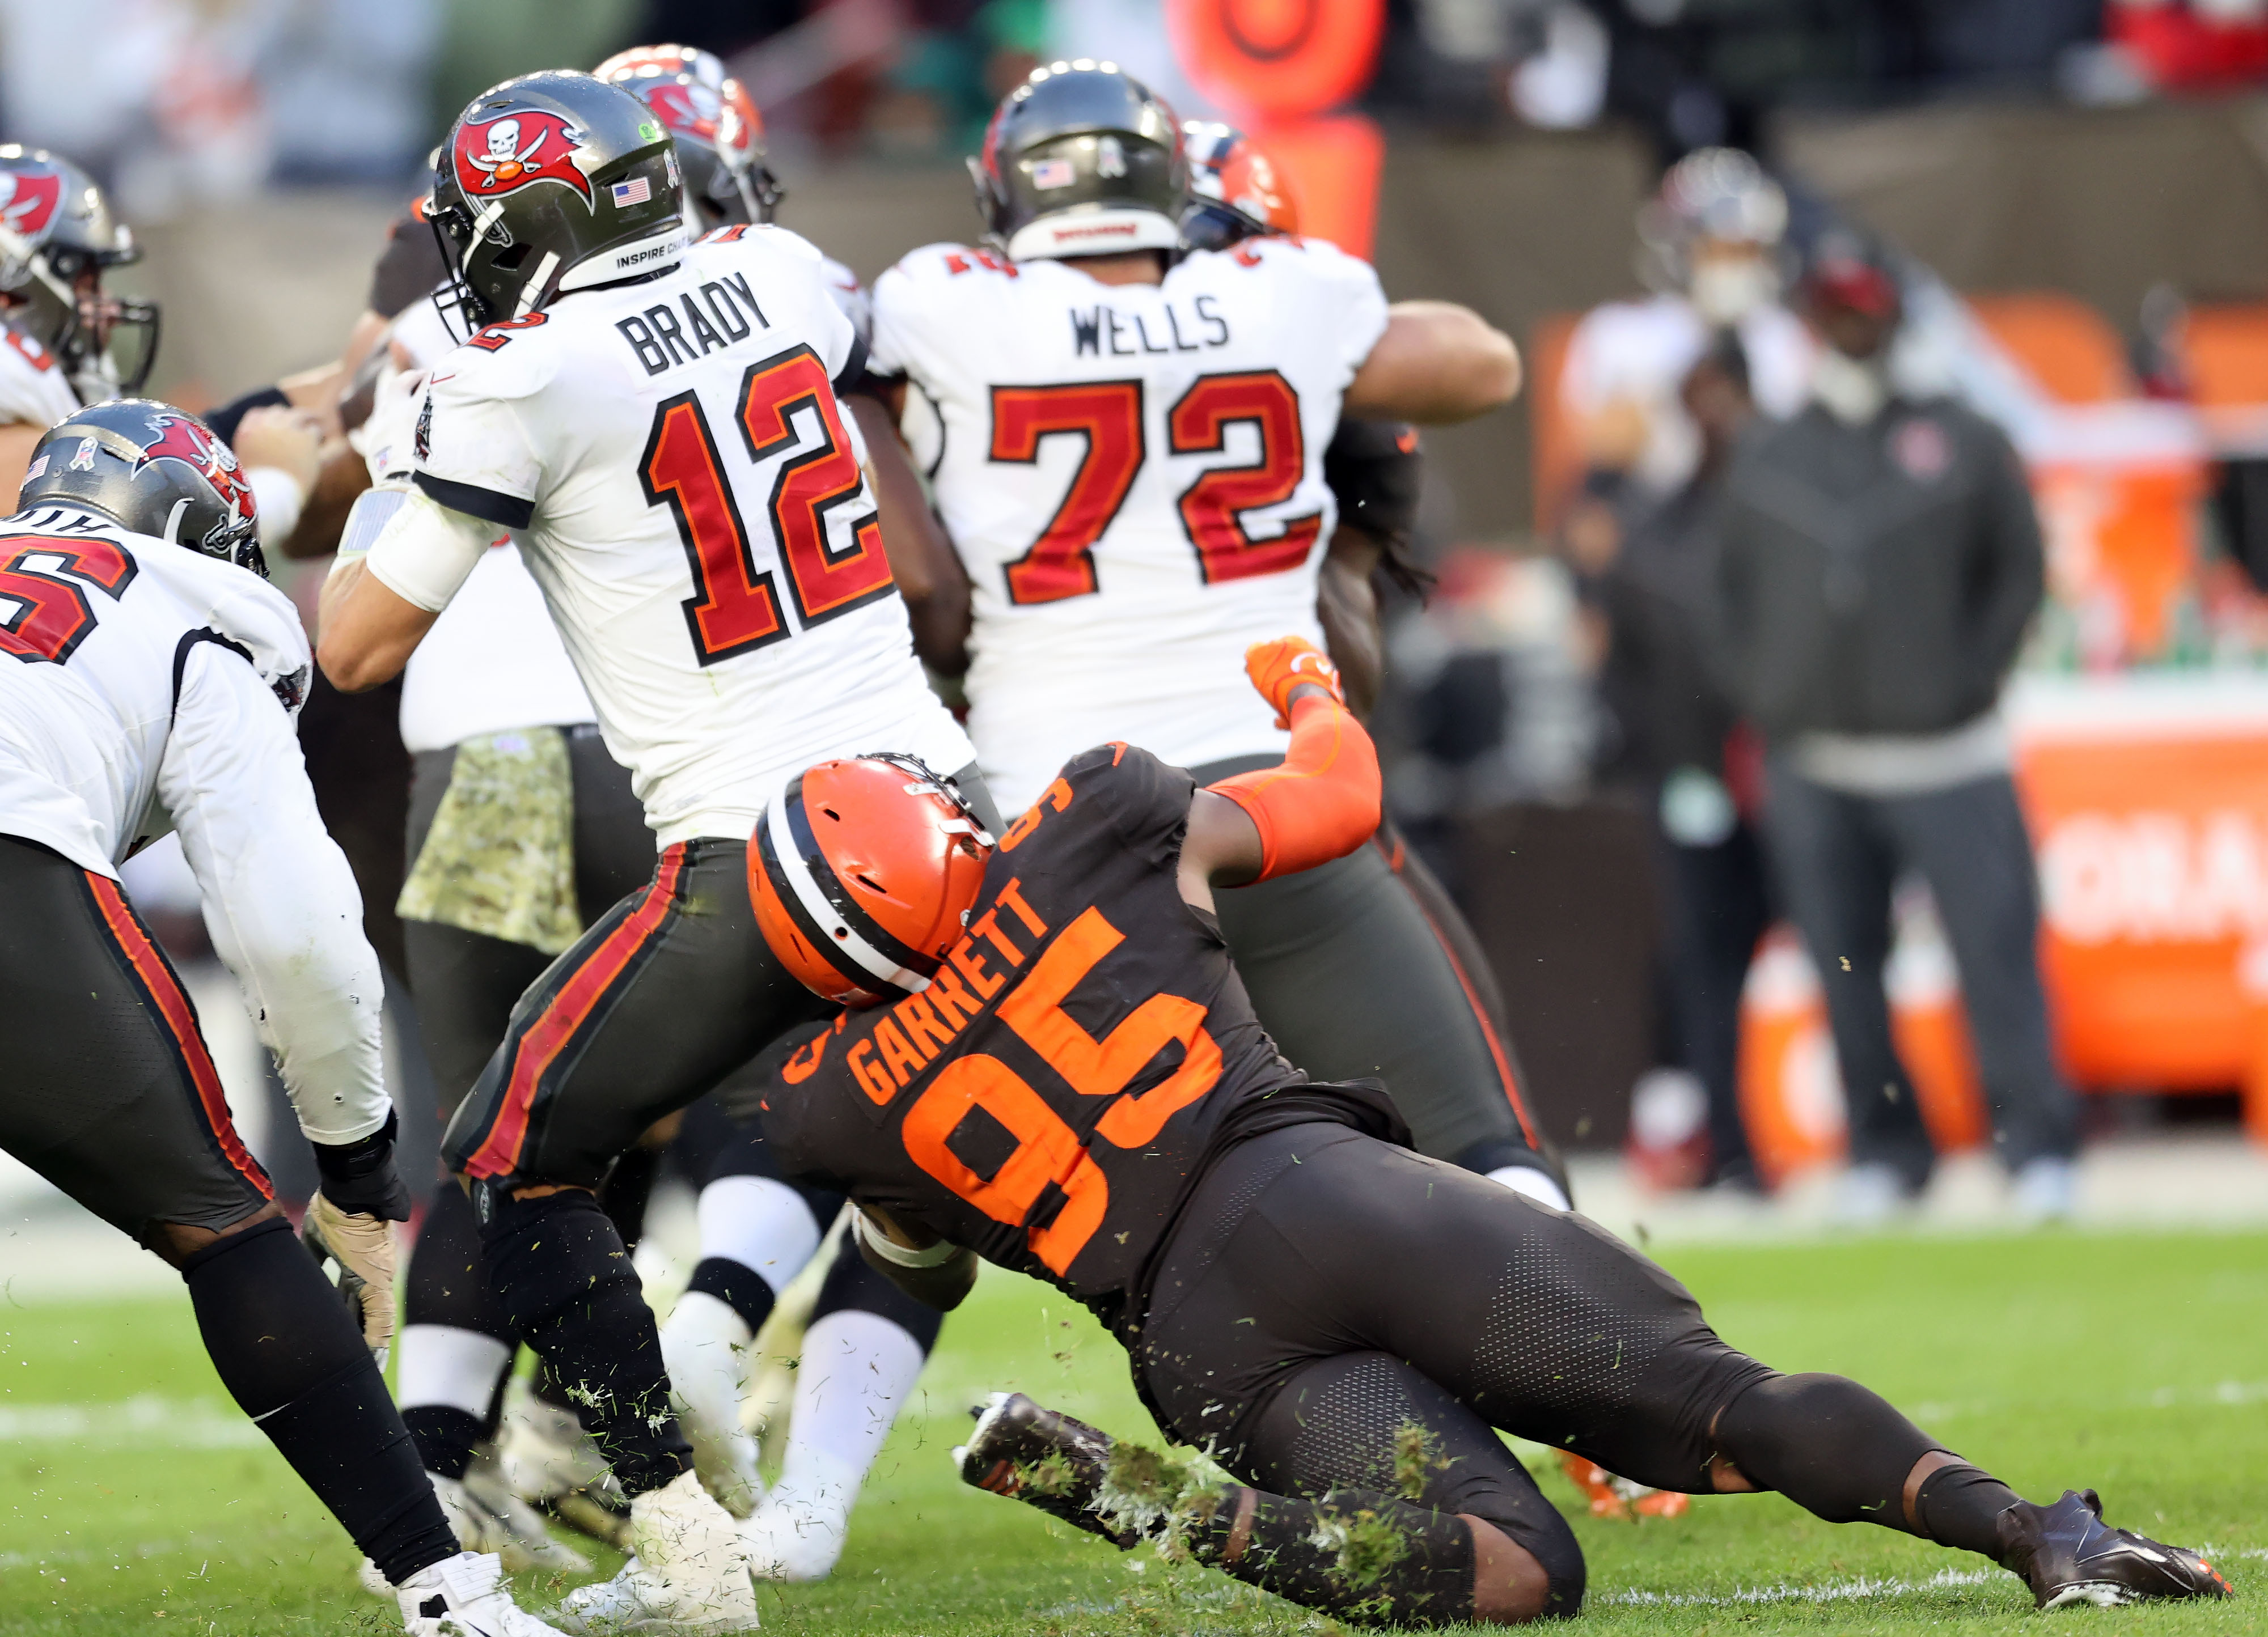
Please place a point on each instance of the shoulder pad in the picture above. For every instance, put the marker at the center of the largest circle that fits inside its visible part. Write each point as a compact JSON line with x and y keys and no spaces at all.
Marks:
{"x":515,"y":358}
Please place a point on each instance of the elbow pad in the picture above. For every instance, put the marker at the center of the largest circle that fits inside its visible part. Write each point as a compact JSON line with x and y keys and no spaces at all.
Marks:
{"x":1322,"y":803}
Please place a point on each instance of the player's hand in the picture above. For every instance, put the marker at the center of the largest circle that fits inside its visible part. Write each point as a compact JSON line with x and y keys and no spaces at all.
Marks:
{"x":362,"y":1248}
{"x":290,"y":440}
{"x":1277,"y":667}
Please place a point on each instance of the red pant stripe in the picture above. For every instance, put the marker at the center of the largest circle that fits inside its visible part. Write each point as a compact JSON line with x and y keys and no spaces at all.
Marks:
{"x":181,"y":1021}
{"x":541,"y":1044}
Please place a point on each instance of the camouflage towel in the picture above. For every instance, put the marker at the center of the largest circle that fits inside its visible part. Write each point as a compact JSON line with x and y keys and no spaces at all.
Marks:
{"x":500,"y":858}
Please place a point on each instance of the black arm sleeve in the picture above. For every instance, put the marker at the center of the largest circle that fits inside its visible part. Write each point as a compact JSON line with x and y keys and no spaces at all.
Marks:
{"x":2015,"y":566}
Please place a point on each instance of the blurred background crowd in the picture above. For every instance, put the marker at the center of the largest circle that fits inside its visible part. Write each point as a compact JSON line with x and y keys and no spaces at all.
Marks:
{"x":1760,"y":904}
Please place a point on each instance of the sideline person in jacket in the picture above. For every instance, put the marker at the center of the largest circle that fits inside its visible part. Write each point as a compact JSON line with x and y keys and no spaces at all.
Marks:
{"x":1880,"y":562}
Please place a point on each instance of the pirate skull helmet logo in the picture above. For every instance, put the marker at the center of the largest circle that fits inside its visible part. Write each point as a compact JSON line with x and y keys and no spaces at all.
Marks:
{"x":517,"y":150}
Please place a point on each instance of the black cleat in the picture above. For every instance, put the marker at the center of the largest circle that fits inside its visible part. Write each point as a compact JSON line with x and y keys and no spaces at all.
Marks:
{"x":1043,"y":1460}
{"x":2068,"y":1554}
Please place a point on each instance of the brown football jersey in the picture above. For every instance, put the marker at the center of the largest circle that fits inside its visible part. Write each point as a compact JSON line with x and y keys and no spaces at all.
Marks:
{"x":1050,"y":1097}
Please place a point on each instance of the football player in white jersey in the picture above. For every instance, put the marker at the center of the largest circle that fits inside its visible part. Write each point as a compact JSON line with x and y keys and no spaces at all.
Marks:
{"x":656,"y":420}
{"x":1129,"y":458}
{"x":151,"y":679}
{"x":65,"y":340}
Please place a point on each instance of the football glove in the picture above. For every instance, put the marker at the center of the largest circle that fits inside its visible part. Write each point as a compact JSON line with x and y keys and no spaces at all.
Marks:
{"x":362,"y":1248}
{"x":1277,"y":667}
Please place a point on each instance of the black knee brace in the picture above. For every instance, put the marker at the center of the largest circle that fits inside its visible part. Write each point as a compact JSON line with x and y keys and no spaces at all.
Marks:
{"x":293,"y":1361}
{"x":1827,"y":1443}
{"x":564,"y":1282}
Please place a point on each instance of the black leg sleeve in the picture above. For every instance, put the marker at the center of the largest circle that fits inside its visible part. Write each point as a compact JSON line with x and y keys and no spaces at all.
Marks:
{"x":1363,"y":1556}
{"x":295,"y":1363}
{"x":446,"y":1284}
{"x":1827,"y":1443}
{"x":565,"y":1283}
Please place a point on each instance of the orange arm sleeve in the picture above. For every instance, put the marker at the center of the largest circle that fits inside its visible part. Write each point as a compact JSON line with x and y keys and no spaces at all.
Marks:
{"x":1322,"y":803}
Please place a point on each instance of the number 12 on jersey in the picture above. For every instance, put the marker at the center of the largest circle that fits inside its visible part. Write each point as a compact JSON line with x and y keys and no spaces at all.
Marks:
{"x":735,"y":606}
{"x":1107,"y":416}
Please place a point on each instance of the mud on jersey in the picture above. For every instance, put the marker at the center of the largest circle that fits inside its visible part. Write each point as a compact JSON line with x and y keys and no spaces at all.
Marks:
{"x":1048,"y":1100}
{"x":689,"y":495}
{"x":1133,"y":475}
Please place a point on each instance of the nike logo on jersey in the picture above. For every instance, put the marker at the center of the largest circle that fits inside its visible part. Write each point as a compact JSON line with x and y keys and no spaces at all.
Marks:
{"x":1104,"y":329}
{"x":727,"y":312}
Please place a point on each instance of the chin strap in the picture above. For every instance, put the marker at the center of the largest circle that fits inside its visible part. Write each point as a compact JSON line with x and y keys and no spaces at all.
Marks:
{"x":1322,"y":803}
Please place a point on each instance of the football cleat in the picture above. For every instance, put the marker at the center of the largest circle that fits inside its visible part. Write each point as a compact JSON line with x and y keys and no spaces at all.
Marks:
{"x":1043,"y":1460}
{"x":1619,"y":1498}
{"x":689,"y":1573}
{"x":479,"y":1520}
{"x":551,"y":1463}
{"x":2069,"y":1555}
{"x":525,"y":1542}
{"x":465,"y":1596}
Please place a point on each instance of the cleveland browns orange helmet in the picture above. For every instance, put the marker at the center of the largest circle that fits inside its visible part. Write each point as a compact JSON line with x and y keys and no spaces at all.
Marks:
{"x":1236,"y":191}
{"x":862,"y":873}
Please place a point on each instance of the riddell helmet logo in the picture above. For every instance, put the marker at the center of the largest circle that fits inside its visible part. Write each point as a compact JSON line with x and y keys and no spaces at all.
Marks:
{"x":28,"y":201}
{"x":191,"y":444}
{"x":515,"y":151}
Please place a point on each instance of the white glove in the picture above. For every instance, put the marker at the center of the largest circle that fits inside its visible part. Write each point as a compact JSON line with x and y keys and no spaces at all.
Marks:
{"x":363,"y":1247}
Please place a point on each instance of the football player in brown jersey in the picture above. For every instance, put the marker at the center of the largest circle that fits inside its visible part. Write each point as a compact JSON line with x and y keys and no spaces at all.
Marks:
{"x":1051,"y":1064}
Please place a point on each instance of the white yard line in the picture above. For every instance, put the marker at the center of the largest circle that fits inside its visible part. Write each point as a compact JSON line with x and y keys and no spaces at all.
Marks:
{"x":146,"y":1421}
{"x":1833,"y":1592}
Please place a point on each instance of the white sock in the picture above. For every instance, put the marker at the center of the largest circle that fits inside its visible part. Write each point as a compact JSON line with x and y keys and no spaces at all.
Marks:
{"x":1535,"y":1183}
{"x":442,"y":1365}
{"x":705,"y":1346}
{"x":760,"y":1223}
{"x":857,"y":1369}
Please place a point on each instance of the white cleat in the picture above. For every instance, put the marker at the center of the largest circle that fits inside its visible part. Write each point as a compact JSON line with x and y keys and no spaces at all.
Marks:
{"x":792,"y":1539}
{"x":519,"y":1541}
{"x":690,"y":1574}
{"x":550,"y":1462}
{"x":465,"y":1596}
{"x":527,"y":1544}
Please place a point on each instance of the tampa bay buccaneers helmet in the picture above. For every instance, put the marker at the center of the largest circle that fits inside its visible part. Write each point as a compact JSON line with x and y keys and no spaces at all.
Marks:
{"x":553,"y":182}
{"x":57,"y":234}
{"x":151,"y":468}
{"x":1713,"y":231}
{"x":1236,"y":192}
{"x":862,"y":873}
{"x":719,"y":132}
{"x":1081,"y":160}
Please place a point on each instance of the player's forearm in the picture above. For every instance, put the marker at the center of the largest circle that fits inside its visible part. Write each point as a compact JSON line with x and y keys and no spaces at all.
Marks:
{"x":929,"y":572}
{"x":1347,"y":604}
{"x":376,"y":607}
{"x":1437,"y":364}
{"x":280,"y":901}
{"x":938,"y":1275}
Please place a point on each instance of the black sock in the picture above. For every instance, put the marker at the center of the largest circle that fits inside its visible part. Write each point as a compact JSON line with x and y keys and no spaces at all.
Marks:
{"x":737,"y":1286}
{"x":1825,"y":1442}
{"x":445,"y":1283}
{"x":565,"y":1283}
{"x":445,"y":1436}
{"x":293,"y":1361}
{"x":1385,"y":1562}
{"x":1961,"y":1507}
{"x":626,"y":1191}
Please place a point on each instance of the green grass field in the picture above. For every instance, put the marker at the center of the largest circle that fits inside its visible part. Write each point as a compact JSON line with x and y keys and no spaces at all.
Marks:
{"x":138,"y":1502}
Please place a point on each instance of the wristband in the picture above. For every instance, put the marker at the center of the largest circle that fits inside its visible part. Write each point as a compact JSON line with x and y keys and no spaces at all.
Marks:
{"x":359,"y":1178}
{"x":898,"y":1255}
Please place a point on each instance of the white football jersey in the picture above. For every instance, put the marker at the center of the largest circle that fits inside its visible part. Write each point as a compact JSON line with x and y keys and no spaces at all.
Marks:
{"x":691,"y":497}
{"x":33,"y":390}
{"x":145,"y":687}
{"x":1133,"y":475}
